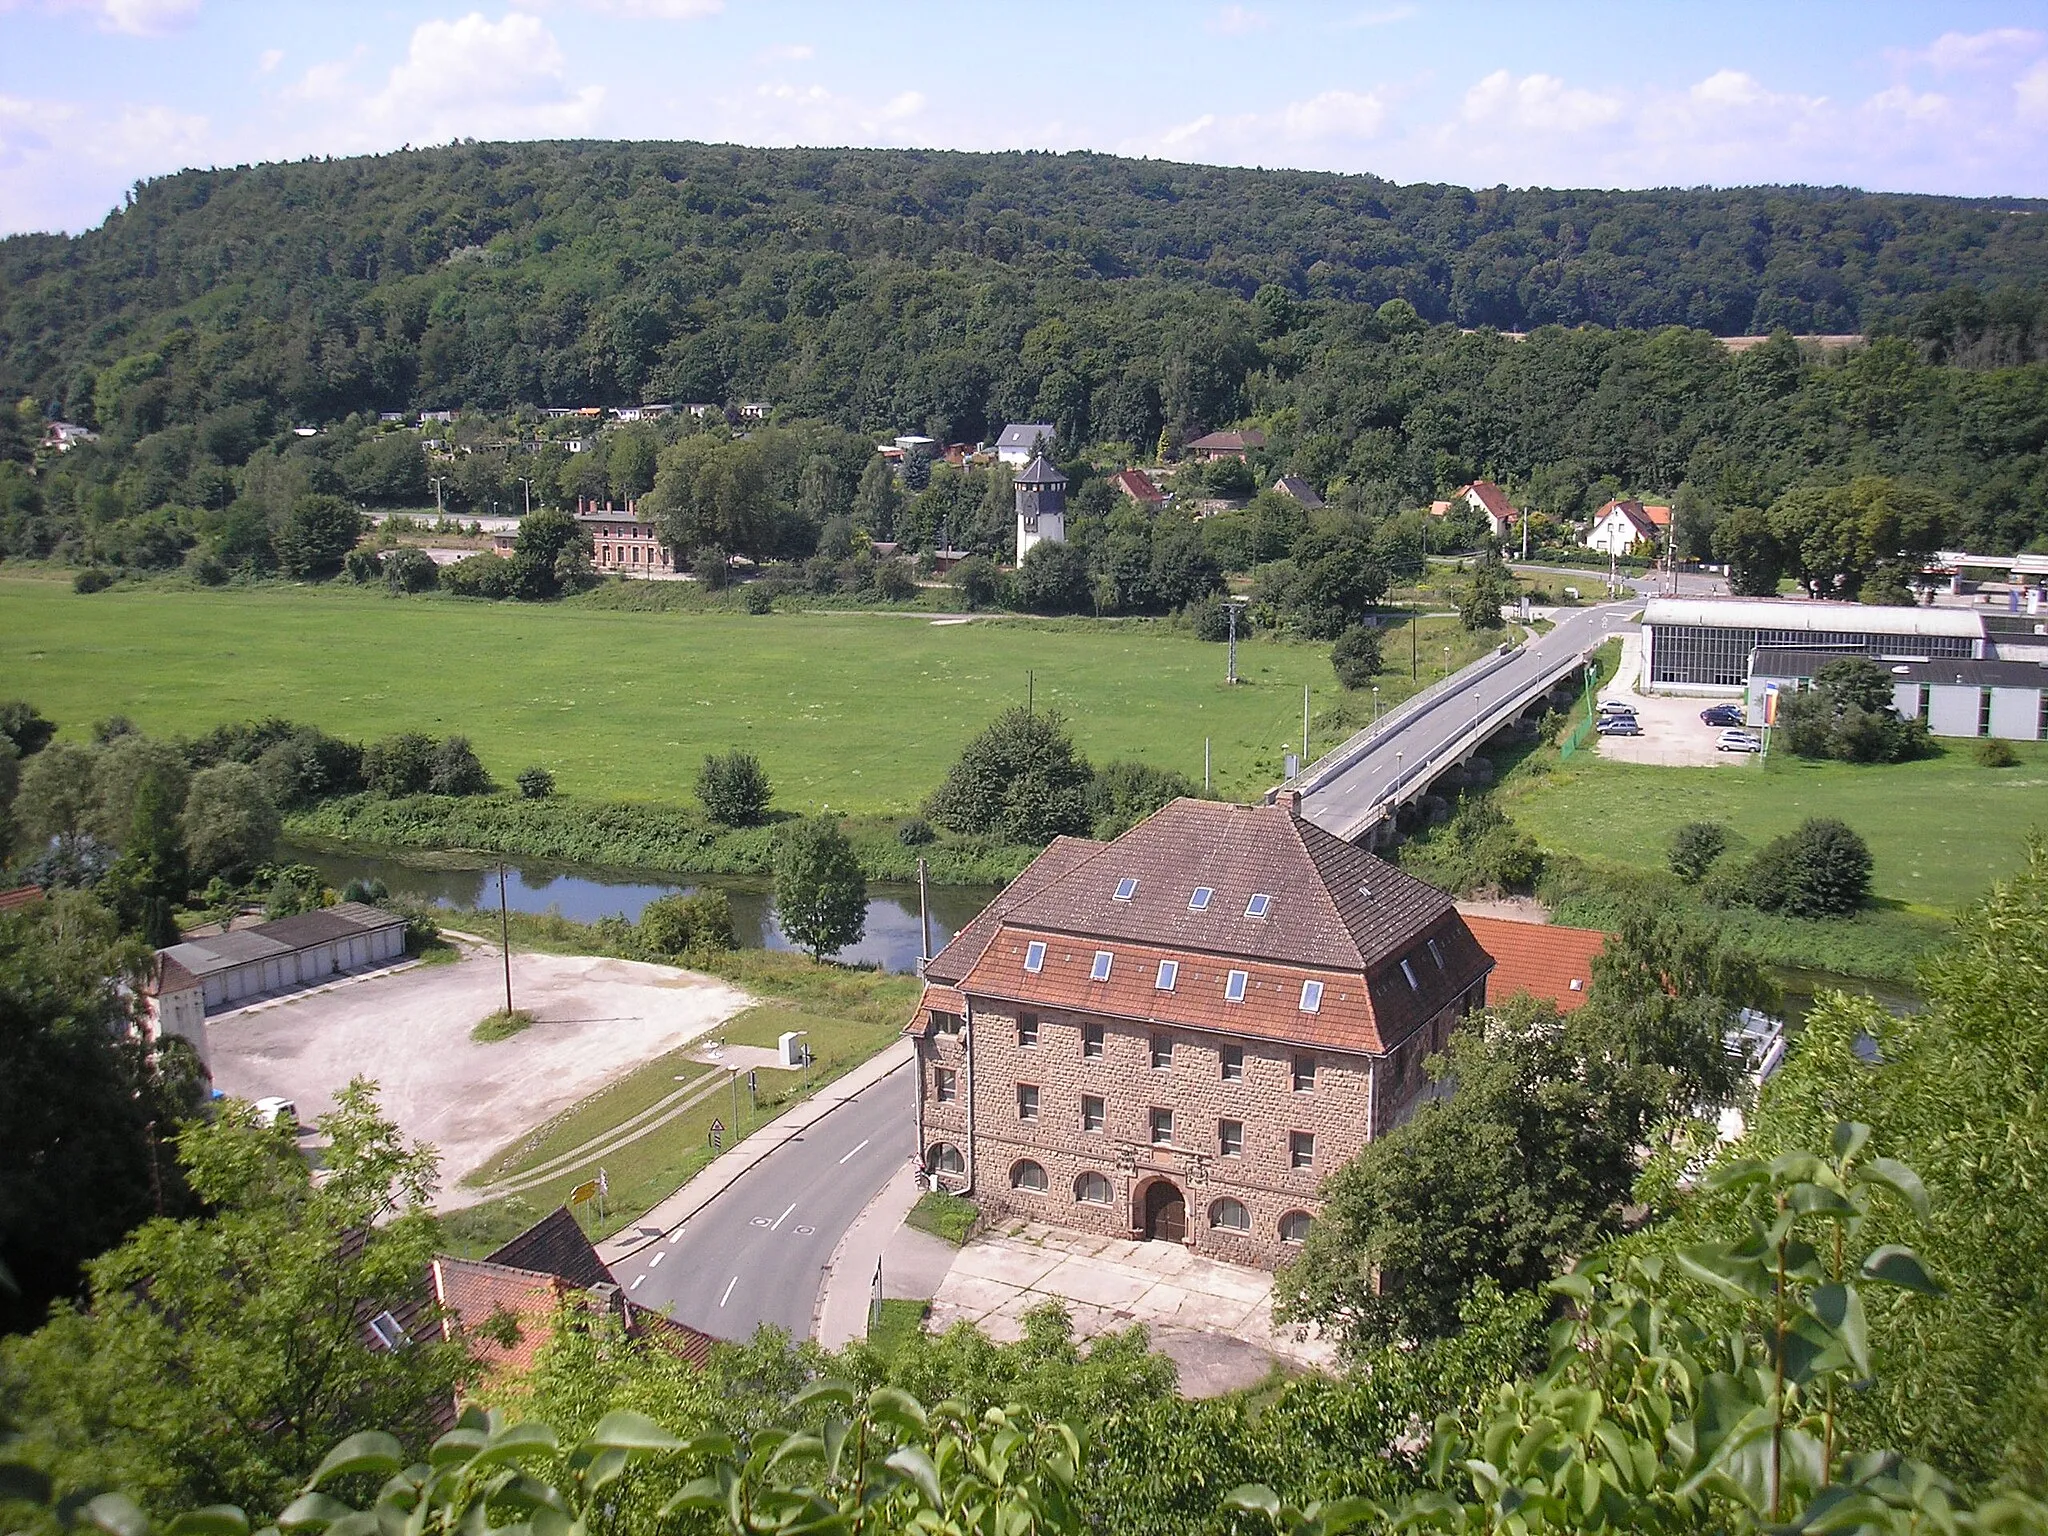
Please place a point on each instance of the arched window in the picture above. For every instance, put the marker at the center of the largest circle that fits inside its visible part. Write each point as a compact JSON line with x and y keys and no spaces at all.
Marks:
{"x":1230,"y":1215}
{"x":1092,"y":1189}
{"x":1028,"y":1176}
{"x":1294,"y":1227}
{"x":945,"y":1158}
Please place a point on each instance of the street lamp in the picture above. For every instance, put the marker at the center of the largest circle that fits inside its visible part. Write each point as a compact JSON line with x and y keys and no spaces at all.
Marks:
{"x":529,"y":494}
{"x":1375,"y":703}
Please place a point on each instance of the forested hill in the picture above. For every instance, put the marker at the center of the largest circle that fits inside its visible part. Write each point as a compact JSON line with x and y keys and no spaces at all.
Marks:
{"x":875,"y":286}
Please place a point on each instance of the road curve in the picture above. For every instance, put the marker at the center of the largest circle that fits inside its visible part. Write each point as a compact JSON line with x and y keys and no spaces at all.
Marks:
{"x":758,"y":1252}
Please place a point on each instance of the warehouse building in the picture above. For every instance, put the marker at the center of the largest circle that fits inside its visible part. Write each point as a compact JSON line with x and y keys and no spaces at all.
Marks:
{"x":291,"y":952}
{"x":1703,"y":645}
{"x":1965,"y":698}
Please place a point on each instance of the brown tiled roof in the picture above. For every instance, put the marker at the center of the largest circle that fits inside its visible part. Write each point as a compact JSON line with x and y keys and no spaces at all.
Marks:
{"x":338,"y":922}
{"x":1658,"y":515}
{"x":1363,"y":1013}
{"x":555,"y":1245}
{"x":1540,"y":959}
{"x":1333,"y":906}
{"x":666,"y":1333}
{"x":1137,"y":485}
{"x":1251,"y":437}
{"x":1492,"y":497}
{"x":958,"y":957}
{"x":1634,"y":512}
{"x":170,"y":976}
{"x":472,"y":1292}
{"x":20,"y":896}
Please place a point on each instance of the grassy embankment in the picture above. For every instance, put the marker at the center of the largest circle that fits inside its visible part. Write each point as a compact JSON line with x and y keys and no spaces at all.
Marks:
{"x":858,"y":713}
{"x":847,"y":1016}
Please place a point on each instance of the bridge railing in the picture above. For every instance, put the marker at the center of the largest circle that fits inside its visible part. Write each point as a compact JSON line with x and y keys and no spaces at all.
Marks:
{"x":1347,"y":753}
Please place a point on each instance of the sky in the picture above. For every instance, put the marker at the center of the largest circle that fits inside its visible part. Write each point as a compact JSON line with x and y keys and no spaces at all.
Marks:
{"x":1948,"y":97}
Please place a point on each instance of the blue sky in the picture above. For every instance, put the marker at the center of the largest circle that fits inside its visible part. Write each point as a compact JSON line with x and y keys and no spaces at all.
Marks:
{"x":96,"y":94}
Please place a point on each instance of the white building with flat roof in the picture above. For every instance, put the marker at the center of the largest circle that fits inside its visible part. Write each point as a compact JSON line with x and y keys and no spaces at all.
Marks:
{"x":1703,"y":644}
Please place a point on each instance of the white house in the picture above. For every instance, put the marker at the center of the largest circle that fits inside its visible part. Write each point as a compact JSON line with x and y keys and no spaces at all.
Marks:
{"x":1620,"y":527}
{"x":1018,"y":445}
{"x":176,"y":1005}
{"x":1041,"y":506}
{"x":1491,"y":503}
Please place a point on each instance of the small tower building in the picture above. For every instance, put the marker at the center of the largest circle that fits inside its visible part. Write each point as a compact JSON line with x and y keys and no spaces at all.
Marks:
{"x":1041,"y":506}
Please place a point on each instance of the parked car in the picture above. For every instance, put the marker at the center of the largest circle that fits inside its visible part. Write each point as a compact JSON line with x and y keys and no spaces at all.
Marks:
{"x":277,"y":1111}
{"x":1723,"y":714}
{"x":1738,"y":741}
{"x":1618,"y":725}
{"x":1617,"y":707}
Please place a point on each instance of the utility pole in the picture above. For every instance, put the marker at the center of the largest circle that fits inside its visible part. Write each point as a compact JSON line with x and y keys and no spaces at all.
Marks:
{"x":1205,"y":764}
{"x":505,"y":936}
{"x":1414,"y":646}
{"x":529,"y":494}
{"x":924,"y":919}
{"x":1375,"y":705}
{"x":1230,"y":612}
{"x":1030,"y":693}
{"x":439,"y":509}
{"x":1307,"y":756}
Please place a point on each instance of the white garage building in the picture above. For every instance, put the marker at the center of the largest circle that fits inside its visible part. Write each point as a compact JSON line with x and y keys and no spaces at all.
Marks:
{"x":2007,"y":699}
{"x":290,"y":952}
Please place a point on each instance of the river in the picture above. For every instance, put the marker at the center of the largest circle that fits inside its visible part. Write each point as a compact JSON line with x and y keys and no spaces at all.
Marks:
{"x":584,"y":895}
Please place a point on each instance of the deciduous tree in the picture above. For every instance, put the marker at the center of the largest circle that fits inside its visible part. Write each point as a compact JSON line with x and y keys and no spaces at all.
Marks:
{"x":821,"y":896}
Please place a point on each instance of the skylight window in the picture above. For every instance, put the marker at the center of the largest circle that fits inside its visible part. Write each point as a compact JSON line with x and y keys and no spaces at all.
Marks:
{"x":1099,"y":971}
{"x":1169,"y":973}
{"x":1311,"y":997}
{"x":1259,"y":905}
{"x":1233,"y":987}
{"x":388,"y":1333}
{"x":1199,"y":902}
{"x":1034,"y":957}
{"x":1126,"y":888}
{"x":1436,"y":954}
{"x":1414,"y":983}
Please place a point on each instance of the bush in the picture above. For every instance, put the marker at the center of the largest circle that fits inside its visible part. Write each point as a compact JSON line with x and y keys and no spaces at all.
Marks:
{"x":1124,"y":794}
{"x":1210,"y":621}
{"x":93,"y":578}
{"x":757,"y":598}
{"x":456,"y":770}
{"x":1820,"y":869}
{"x":535,"y":783}
{"x":308,"y":766}
{"x":411,"y":570}
{"x":293,"y":889}
{"x":206,"y":568}
{"x":1020,"y":780}
{"x":1994,"y":752}
{"x":734,"y":789}
{"x":916,"y":833}
{"x":26,"y":726}
{"x":672,"y":925}
{"x":1356,"y":656}
{"x":363,"y":566}
{"x":893,"y":584}
{"x":1694,"y":847}
{"x":317,"y":535}
{"x":483,"y":575}
{"x":399,"y":765}
{"x":977,"y":581}
{"x":1053,"y":579}
{"x":367,"y":892}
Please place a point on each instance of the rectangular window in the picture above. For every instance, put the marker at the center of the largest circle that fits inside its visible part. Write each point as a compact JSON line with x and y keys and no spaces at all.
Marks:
{"x":1162,"y":1127}
{"x":944,"y":1084}
{"x":1091,"y":1039}
{"x":1034,"y":957}
{"x":1199,"y":901}
{"x":1304,"y":1074}
{"x":1311,"y":997}
{"x":1027,"y":1101}
{"x":1436,"y":954}
{"x":1099,"y":971}
{"x":1233,"y":1063}
{"x":946,"y":1023}
{"x":1027,"y":1029}
{"x":1162,"y":1053}
{"x":1414,"y":982}
{"x":1230,"y":1138}
{"x":1126,"y":888}
{"x":1259,"y":905}
{"x":1091,"y":1112}
{"x":1169,"y":973}
{"x":1233,"y":987}
{"x":1301,"y":1149}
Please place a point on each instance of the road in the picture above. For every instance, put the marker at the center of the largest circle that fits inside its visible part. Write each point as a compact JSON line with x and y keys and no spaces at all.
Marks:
{"x":1346,"y":804}
{"x":758,"y":1252}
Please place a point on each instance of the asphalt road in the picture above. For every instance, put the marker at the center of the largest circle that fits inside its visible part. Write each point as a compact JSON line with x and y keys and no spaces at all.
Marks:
{"x":758,"y":1252}
{"x":1345,"y":804}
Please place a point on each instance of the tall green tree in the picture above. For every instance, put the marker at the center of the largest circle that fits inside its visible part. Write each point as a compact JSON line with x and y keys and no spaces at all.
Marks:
{"x":119,"y":770}
{"x":231,"y":826}
{"x":1021,"y":779}
{"x":317,"y":534}
{"x":55,"y":802}
{"x":152,"y":876}
{"x":821,"y":896}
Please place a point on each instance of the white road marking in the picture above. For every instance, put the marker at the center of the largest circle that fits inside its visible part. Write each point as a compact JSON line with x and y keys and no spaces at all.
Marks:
{"x":735,"y":1280}
{"x":782,"y":1218}
{"x":636,"y":1282}
{"x":656,"y":1260}
{"x":675,"y":1237}
{"x":849,"y":1156}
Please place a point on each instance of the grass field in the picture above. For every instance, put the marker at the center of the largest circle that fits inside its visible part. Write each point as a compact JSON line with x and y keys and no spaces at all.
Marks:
{"x":1940,"y":830}
{"x":860,"y":712}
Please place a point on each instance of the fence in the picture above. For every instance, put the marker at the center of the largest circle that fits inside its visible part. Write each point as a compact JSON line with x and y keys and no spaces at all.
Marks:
{"x":1576,"y":737}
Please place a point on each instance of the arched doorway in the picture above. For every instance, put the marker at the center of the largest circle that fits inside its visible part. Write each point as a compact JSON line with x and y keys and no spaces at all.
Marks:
{"x":1166,"y":1213}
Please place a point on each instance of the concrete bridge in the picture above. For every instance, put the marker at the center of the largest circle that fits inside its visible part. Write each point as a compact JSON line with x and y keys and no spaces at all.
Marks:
{"x":1353,"y":789}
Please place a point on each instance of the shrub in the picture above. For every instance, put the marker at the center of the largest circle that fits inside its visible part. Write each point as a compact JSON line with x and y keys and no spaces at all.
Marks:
{"x":483,"y":575}
{"x":317,"y":535}
{"x":363,"y":566}
{"x":206,"y":568}
{"x":977,"y":581}
{"x":1053,"y":579}
{"x":733,"y":788}
{"x":1125,"y":793}
{"x":1021,"y":780}
{"x":535,"y":783}
{"x":671,"y":925}
{"x":1694,"y":847}
{"x":399,"y":765}
{"x":757,"y":598}
{"x":93,"y":578}
{"x":1994,"y":752}
{"x":456,"y":770}
{"x":1211,"y":622}
{"x":1356,"y":656}
{"x":308,"y":766}
{"x":293,"y":889}
{"x":894,"y":584}
{"x":26,"y":726}
{"x":411,"y":570}
{"x":916,"y":833}
{"x":1820,"y":869}
{"x":368,"y":892}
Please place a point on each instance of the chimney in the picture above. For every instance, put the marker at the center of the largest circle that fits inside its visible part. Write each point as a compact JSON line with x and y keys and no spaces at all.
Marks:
{"x":1289,"y":800}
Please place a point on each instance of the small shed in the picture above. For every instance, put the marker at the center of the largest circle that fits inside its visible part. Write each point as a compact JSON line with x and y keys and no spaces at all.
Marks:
{"x":290,"y":952}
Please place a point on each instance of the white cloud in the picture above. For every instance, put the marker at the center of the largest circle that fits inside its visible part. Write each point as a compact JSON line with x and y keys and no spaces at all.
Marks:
{"x":467,"y":78}
{"x":787,"y":53}
{"x":1334,"y":115}
{"x":57,"y":157}
{"x":146,"y":18}
{"x":909,"y":104}
{"x":1536,"y":104}
{"x":1975,"y":50}
{"x":1312,"y":131}
{"x":783,"y":112}
{"x":268,"y":61}
{"x":1236,"y":21}
{"x":2030,"y":96}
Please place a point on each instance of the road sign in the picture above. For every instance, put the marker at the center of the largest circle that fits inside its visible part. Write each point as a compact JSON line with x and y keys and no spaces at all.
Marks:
{"x":584,"y":1192}
{"x":717,"y":1134}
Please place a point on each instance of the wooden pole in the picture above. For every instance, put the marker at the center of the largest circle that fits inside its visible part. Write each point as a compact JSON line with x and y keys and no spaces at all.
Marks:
{"x":505,"y":937}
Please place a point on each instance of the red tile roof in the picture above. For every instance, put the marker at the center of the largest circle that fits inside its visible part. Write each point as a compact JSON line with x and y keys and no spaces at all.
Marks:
{"x":959,"y":955}
{"x":1137,"y":485}
{"x":1491,"y":497}
{"x":479,"y":1298}
{"x":1540,"y":959}
{"x":1661,"y":516}
{"x":1634,"y":512}
{"x":1230,"y":442}
{"x":20,"y":896}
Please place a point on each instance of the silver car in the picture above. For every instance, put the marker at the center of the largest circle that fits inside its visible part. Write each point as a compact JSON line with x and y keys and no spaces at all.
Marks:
{"x":1738,"y":741}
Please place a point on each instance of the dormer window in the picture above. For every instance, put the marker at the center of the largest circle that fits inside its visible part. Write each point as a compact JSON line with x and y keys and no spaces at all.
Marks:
{"x":1199,"y":902}
{"x":1233,"y":987}
{"x":1259,"y":905}
{"x":1311,"y":997}
{"x":1034,"y":957}
{"x":1126,"y":888}
{"x":1414,"y":982}
{"x":1099,"y":971}
{"x":1169,"y":973}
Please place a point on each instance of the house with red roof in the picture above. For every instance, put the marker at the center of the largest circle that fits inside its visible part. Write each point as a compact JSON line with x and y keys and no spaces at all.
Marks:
{"x":1227,"y":445}
{"x":1491,"y":503}
{"x":1541,"y":960}
{"x":1622,"y":527}
{"x":1138,"y":485}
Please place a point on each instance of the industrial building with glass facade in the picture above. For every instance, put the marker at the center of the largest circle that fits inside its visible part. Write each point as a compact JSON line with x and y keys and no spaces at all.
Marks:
{"x":1704,"y":645}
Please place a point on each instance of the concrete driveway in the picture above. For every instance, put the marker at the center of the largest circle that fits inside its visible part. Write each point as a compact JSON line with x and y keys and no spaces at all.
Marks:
{"x":1673,"y":736}
{"x":408,"y":1030}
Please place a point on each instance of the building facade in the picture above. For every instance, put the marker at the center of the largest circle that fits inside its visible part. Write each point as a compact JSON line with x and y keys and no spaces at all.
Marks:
{"x":1179,"y":1034}
{"x":1022,"y":441}
{"x":1963,"y":698}
{"x":622,"y":541}
{"x":1703,"y":645}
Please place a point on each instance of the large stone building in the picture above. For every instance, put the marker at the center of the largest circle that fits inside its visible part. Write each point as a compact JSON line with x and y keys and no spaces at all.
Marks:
{"x":623,"y":540}
{"x":1041,"y":492}
{"x":1178,"y":1034}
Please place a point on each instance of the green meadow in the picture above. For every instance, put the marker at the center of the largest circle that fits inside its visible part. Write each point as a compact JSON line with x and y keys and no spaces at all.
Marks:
{"x":858,"y":712}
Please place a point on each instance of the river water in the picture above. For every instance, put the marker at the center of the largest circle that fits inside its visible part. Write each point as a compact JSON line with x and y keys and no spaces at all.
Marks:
{"x":584,"y":895}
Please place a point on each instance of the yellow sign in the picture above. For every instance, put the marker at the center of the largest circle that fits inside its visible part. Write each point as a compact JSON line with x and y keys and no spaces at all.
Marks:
{"x":587,"y":1190}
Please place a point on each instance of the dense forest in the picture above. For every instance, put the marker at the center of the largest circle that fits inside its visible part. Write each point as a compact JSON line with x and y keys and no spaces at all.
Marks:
{"x":1372,"y":329}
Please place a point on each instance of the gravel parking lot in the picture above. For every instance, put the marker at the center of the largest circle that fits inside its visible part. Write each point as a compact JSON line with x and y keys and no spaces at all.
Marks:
{"x":408,"y":1030}
{"x":1673,"y":736}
